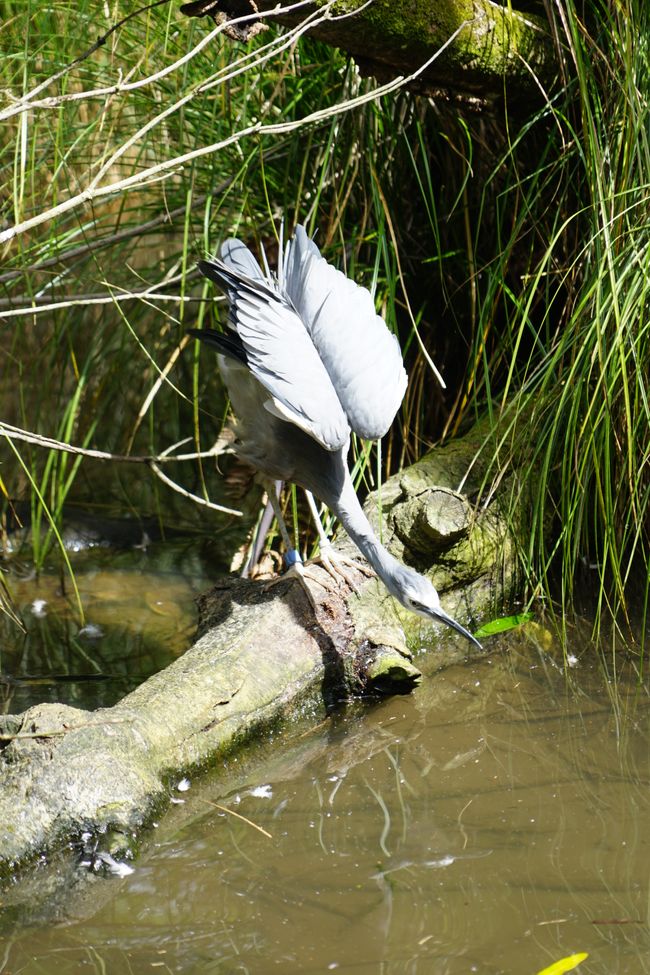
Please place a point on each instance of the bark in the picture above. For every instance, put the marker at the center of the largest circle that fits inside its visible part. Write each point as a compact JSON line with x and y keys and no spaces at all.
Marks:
{"x":264,"y":656}
{"x":499,"y":51}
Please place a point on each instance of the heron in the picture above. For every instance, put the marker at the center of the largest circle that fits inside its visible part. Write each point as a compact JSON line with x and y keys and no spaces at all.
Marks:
{"x":307,"y":361}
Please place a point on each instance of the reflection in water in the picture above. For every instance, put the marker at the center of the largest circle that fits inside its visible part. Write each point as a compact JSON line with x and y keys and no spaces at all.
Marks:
{"x":140,"y":615}
{"x":492,"y":822}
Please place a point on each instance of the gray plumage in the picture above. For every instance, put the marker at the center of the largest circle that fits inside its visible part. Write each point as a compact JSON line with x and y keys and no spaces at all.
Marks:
{"x":306,"y":361}
{"x":361,"y":356}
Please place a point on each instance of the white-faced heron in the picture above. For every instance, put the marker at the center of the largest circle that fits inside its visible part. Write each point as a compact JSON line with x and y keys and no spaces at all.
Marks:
{"x":307,"y":361}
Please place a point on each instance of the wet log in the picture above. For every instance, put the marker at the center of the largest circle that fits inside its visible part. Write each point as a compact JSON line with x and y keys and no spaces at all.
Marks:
{"x":265,"y":655}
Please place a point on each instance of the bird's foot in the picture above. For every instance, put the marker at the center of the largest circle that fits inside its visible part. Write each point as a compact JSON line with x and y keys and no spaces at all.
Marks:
{"x":336,"y":565}
{"x":333,"y":562}
{"x":296,"y":570}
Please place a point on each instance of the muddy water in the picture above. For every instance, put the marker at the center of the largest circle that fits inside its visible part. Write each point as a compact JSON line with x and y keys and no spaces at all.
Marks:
{"x":494,"y":821}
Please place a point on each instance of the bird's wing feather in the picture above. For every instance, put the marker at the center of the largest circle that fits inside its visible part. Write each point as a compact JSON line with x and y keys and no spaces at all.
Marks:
{"x":361,"y":355}
{"x":281,"y":356}
{"x":238,"y":257}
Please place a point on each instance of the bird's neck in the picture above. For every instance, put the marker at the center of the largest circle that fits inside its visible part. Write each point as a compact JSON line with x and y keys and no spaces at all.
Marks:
{"x":354,"y":520}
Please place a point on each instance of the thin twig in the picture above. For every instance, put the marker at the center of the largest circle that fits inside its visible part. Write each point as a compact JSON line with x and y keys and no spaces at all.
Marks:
{"x":16,"y":433}
{"x":140,"y":230}
{"x":32,"y":306}
{"x":196,"y":498}
{"x":27,"y":102}
{"x":237,"y":815}
{"x":57,"y":732}
{"x":234,"y":69}
{"x":167,"y":217}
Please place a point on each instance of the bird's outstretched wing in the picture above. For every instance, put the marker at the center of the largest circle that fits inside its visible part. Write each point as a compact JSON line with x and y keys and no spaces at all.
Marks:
{"x":361,"y":355}
{"x":278,"y":350}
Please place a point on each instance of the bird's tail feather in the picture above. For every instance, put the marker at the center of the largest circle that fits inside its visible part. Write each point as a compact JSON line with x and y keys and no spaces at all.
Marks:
{"x":227,"y":344}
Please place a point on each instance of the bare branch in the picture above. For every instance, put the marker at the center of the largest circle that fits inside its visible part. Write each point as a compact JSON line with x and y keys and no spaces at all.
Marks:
{"x":36,"y":306}
{"x":110,"y":240}
{"x":235,"y":68}
{"x":16,"y":433}
{"x":28,"y":103}
{"x":187,"y":494}
{"x":167,"y":167}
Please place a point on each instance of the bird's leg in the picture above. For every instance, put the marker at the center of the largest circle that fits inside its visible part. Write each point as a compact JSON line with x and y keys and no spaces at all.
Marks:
{"x":292,"y":557}
{"x":332,"y":561}
{"x":257,"y":544}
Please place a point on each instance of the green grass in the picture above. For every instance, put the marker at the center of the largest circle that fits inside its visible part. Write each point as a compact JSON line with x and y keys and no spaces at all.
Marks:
{"x":576,"y":356}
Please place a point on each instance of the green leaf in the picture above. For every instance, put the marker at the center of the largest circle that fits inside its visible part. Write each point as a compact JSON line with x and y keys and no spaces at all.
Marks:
{"x":503,"y":624}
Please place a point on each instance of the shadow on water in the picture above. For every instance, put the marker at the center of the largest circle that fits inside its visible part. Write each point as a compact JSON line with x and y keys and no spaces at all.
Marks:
{"x":493,"y":822}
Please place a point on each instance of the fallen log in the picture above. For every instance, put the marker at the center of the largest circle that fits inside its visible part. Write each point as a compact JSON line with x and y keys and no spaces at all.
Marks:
{"x":265,"y":655}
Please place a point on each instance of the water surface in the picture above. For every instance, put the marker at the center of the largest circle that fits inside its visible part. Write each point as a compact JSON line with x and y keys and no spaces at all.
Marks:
{"x":494,"y":821}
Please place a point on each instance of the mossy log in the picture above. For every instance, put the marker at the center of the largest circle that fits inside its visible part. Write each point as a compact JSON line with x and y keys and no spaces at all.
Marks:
{"x":486,"y":51}
{"x":263,"y":657}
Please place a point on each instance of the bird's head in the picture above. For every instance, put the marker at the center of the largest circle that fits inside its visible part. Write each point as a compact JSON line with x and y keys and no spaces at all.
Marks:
{"x":416,"y":593}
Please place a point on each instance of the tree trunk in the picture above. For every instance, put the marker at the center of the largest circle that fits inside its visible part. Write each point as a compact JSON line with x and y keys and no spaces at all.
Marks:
{"x":487,"y":51}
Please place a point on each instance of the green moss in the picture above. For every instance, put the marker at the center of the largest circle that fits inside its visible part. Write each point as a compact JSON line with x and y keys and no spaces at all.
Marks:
{"x":494,"y":40}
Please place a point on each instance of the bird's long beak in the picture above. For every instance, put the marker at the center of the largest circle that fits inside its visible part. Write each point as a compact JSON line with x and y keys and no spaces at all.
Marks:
{"x":439,"y":614}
